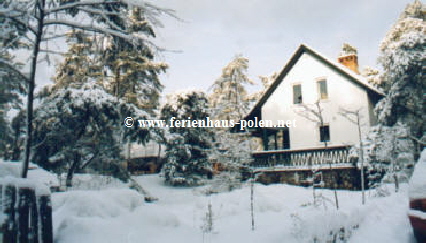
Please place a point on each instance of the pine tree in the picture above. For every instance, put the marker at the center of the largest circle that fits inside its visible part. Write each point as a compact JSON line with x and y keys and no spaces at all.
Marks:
{"x":187,"y":146}
{"x":134,"y":73}
{"x":80,"y":61}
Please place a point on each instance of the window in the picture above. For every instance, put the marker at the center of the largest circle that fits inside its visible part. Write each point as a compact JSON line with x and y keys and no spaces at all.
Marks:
{"x":324,"y":133}
{"x":322,"y":89}
{"x":297,"y":94}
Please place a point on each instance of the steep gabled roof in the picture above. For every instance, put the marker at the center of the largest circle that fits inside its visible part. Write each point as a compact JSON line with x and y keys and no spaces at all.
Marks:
{"x":341,"y":69}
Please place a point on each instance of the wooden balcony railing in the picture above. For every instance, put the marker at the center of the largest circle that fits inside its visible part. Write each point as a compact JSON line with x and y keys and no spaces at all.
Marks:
{"x":302,"y":157}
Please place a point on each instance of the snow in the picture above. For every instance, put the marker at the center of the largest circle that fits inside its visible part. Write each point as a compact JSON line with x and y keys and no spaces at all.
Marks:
{"x":283,"y":213}
{"x":417,"y":214}
{"x":38,"y":179}
{"x":35,"y":175}
{"x":418,"y":180}
{"x":98,"y":209}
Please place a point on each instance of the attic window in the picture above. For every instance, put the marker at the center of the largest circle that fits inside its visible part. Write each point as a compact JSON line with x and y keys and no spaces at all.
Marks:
{"x":297,"y":94}
{"x":324,"y":133}
{"x":322,"y":89}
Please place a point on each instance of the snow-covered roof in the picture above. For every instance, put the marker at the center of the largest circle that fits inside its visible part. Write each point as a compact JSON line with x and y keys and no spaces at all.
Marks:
{"x":340,"y":68}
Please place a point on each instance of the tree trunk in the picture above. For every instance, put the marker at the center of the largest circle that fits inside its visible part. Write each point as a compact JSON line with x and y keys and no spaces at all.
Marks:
{"x":31,"y":84}
{"x":70,"y":173}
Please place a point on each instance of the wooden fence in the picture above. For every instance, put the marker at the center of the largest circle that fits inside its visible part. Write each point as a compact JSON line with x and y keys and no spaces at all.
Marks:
{"x":26,"y":213}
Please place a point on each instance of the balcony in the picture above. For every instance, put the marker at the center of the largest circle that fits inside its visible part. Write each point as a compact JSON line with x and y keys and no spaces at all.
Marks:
{"x":303,"y":158}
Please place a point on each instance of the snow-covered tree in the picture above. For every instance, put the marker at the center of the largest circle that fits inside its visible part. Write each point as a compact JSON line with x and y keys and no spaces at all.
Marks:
{"x":80,"y":61}
{"x":74,"y":129}
{"x":45,"y":20}
{"x":135,"y":74}
{"x":229,"y":98}
{"x":230,"y":101}
{"x":15,"y":138}
{"x":403,"y":57}
{"x":391,"y":149}
{"x":266,"y":81}
{"x":401,"y":113}
{"x":12,"y":81}
{"x":187,"y":146}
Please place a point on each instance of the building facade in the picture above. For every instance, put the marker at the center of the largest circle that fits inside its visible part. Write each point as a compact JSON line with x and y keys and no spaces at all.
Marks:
{"x":316,"y":94}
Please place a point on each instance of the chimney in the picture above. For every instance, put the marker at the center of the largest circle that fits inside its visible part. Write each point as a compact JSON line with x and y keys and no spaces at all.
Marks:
{"x":349,"y":57}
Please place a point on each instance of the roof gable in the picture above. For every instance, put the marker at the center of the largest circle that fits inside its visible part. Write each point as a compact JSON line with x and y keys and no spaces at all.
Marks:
{"x":341,"y":69}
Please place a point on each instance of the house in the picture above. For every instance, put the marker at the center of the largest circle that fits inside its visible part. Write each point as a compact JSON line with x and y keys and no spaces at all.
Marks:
{"x":145,"y":159}
{"x":311,"y":91}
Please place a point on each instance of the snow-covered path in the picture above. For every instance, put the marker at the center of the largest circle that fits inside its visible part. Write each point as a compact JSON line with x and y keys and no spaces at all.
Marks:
{"x":283,"y":213}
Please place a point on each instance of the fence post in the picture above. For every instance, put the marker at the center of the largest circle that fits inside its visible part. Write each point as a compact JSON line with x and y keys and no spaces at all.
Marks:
{"x":46,"y":219}
{"x":23,"y":209}
{"x":33,"y":229}
{"x":10,"y":228}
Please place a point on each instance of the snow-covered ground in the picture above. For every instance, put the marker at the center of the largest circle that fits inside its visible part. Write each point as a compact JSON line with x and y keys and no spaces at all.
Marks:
{"x":282,"y":213}
{"x":102,"y":209}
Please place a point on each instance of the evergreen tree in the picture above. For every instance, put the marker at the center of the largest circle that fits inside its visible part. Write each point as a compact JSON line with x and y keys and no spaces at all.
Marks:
{"x":80,"y":61}
{"x":230,"y":101}
{"x":12,"y":81}
{"x":134,"y":72}
{"x":403,"y":57}
{"x":187,"y":146}
{"x":229,"y":97}
{"x":401,"y":113}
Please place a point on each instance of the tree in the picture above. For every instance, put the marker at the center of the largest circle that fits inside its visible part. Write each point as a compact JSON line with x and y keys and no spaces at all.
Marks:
{"x":187,"y":146}
{"x":402,"y":58}
{"x":229,"y":98}
{"x":81,"y":61}
{"x":16,"y":137}
{"x":74,"y":129}
{"x":354,"y":116}
{"x":39,"y":17}
{"x":134,"y":73}
{"x":401,"y":113}
{"x":230,"y":101}
{"x":12,"y":81}
{"x":314,"y":114}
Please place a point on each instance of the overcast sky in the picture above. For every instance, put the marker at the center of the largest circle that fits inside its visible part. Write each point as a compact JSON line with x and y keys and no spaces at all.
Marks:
{"x":267,"y":32}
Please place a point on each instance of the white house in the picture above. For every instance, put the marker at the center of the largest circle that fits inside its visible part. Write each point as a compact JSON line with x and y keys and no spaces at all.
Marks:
{"x":309,"y":78}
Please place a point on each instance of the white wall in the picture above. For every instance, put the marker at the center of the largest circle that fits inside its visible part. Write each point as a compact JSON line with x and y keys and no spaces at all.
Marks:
{"x":341,"y":93}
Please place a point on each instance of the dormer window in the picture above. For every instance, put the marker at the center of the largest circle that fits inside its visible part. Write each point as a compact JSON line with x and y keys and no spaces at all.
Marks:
{"x":297,"y":94}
